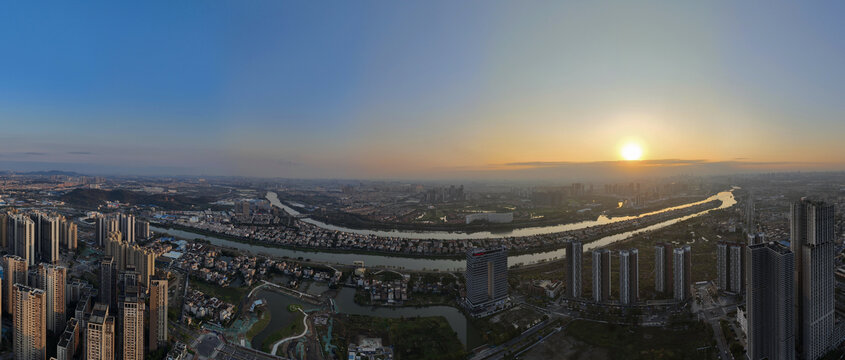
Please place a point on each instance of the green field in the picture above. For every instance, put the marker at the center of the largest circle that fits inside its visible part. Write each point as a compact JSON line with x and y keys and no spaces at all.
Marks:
{"x":683,"y":340}
{"x":261,"y":324}
{"x":294,"y":328}
{"x":412,"y":338}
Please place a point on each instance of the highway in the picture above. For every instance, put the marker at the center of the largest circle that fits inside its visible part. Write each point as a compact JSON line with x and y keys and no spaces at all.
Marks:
{"x":498,"y":352}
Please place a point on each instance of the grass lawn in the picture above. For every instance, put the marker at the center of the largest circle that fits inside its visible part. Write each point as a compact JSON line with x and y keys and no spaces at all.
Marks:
{"x":412,"y":338}
{"x":260,"y":325}
{"x":294,"y":328}
{"x":680,"y":341}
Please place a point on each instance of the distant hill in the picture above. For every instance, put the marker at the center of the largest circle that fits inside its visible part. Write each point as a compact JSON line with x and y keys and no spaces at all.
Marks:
{"x":53,"y":173}
{"x":43,"y":173}
{"x":91,"y":198}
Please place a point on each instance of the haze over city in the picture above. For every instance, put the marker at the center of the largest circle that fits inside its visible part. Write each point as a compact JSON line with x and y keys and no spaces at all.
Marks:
{"x":434,"y":90}
{"x":422,"y":180}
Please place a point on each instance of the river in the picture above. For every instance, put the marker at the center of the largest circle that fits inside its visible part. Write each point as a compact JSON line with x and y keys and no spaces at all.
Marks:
{"x":416,"y":263}
{"x":725,"y":196}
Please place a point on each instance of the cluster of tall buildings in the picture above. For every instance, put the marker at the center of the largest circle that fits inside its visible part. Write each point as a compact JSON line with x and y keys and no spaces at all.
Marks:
{"x":37,"y":236}
{"x":117,"y":323}
{"x":36,"y":301}
{"x":123,"y":326}
{"x":443,"y":194}
{"x":128,"y":255}
{"x":673,"y":270}
{"x":730,"y":267}
{"x":117,"y":234}
{"x":629,"y":275}
{"x":245,"y":208}
{"x":130,"y":230}
{"x":671,"y":264}
{"x":790,"y":291}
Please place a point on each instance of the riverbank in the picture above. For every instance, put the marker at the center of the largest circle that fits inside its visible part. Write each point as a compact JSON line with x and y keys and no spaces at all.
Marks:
{"x":352,"y":221}
{"x":536,"y":244}
{"x":247,"y":241}
{"x":724,"y":196}
{"x":403,"y":262}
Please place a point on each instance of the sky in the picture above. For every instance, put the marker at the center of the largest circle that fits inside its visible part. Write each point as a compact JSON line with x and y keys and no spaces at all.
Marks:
{"x":428,"y":89}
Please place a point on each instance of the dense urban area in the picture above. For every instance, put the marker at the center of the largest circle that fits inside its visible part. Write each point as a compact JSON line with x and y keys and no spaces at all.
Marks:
{"x":138,"y":268}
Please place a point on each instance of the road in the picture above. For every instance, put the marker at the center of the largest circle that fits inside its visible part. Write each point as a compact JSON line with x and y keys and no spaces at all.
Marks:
{"x":712,"y":312}
{"x":497,"y":352}
{"x":557,"y":330}
{"x":282,"y":341}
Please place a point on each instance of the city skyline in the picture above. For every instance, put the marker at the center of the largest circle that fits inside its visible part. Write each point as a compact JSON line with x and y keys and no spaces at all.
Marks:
{"x":434,"y":91}
{"x":478,"y":180}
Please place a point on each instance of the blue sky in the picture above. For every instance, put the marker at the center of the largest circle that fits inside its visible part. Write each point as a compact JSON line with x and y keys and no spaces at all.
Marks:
{"x":416,"y":89}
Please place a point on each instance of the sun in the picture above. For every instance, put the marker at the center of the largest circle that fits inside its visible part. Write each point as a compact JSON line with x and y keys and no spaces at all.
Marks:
{"x":631,"y":152}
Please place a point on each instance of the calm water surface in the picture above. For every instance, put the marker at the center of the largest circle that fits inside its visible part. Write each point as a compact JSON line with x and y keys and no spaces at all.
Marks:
{"x":412,"y":263}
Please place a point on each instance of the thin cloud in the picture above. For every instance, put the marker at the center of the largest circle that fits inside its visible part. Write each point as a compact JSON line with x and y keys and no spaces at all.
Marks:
{"x":79,"y":152}
{"x":34,"y":153}
{"x":654,"y":162}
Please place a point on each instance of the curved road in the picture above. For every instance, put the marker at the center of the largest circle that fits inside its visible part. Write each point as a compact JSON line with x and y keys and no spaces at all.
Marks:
{"x":280,"y":342}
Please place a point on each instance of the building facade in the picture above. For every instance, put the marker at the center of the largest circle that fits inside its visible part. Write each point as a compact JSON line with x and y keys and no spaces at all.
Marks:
{"x":15,"y":272}
{"x":601,"y":275}
{"x":486,"y":277}
{"x":574,"y":251}
{"x":29,"y":339}
{"x":158,"y":312}
{"x":131,"y":323}
{"x":99,"y":334}
{"x":624,"y":275}
{"x":663,"y":277}
{"x":769,"y":302}
{"x":812,"y":238}
{"x":108,"y":277}
{"x":722,"y":268}
{"x":53,"y":280}
{"x":22,"y":230}
{"x":629,"y":265}
{"x":68,"y":344}
{"x":47,"y":237}
{"x":736,"y":268}
{"x":730,"y":265}
{"x":682,"y":273}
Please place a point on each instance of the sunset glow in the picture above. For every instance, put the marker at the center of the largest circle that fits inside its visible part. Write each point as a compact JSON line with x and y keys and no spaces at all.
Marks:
{"x":631,"y":152}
